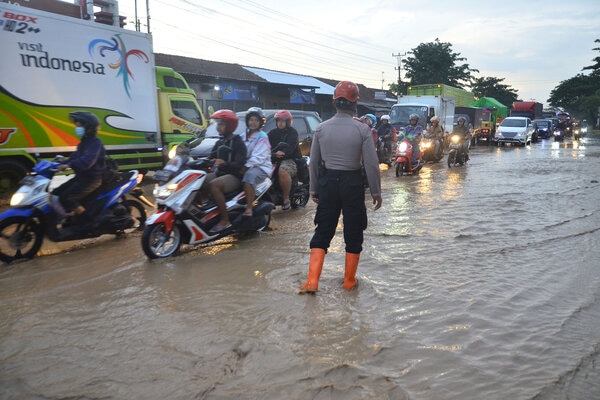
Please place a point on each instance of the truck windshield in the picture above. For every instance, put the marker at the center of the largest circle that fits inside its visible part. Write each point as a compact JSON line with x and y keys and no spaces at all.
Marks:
{"x":400,"y":114}
{"x":186,"y":110}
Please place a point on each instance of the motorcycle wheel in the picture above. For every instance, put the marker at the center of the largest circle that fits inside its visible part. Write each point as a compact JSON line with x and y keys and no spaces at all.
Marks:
{"x":399,"y":168}
{"x":156,"y":243}
{"x":138,"y":213}
{"x":451,"y":158}
{"x":20,"y":238}
{"x":299,"y":198}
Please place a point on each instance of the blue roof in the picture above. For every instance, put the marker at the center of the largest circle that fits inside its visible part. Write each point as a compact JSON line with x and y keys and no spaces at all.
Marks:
{"x":304,"y":81}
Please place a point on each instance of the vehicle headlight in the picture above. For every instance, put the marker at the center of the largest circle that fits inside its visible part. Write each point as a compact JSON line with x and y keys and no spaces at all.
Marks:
{"x":17,"y":198}
{"x":162,"y":192}
{"x":403,"y":147}
{"x":455,"y":138}
{"x":172,"y":152}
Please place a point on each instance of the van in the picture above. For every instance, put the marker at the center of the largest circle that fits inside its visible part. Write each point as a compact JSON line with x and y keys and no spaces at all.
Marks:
{"x":517,"y":130}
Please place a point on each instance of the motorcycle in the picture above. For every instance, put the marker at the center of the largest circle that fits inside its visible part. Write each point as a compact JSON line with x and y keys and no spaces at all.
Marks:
{"x":458,"y":153}
{"x":428,"y":147}
{"x":299,"y":193}
{"x":559,"y":135}
{"x":404,"y":157}
{"x":180,"y":220}
{"x":383,"y":153}
{"x":116,"y":207}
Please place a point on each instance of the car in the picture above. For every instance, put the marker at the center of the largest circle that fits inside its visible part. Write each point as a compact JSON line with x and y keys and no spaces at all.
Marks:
{"x":305,"y":123}
{"x":543,"y":129}
{"x":517,"y":130}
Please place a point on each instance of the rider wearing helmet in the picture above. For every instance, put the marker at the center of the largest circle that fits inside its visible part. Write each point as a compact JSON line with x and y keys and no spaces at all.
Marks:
{"x":285,"y":133}
{"x":258,"y":165}
{"x":413,"y":132}
{"x":386,"y":131}
{"x":339,"y":146}
{"x":371,"y":120}
{"x":462,"y":128}
{"x":229,"y":153}
{"x":436,"y":131}
{"x":88,"y":162}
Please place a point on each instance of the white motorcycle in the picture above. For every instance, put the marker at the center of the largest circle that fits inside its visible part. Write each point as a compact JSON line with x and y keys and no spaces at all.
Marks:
{"x":179,"y":219}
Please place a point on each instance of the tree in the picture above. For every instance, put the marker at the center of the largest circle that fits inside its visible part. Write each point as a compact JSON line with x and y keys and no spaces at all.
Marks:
{"x":434,"y":62}
{"x":580,"y":95}
{"x":488,"y":86}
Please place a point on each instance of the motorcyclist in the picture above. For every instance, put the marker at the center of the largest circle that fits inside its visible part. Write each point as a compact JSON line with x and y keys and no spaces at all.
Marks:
{"x":413,"y":132}
{"x":229,"y":153}
{"x":386,"y":131}
{"x":88,"y":162}
{"x":437,"y":133}
{"x":284,"y":132}
{"x":371,"y":120}
{"x":462,"y":128}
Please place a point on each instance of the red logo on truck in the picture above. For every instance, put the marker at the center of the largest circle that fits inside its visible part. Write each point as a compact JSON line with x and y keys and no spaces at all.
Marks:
{"x":5,"y":134}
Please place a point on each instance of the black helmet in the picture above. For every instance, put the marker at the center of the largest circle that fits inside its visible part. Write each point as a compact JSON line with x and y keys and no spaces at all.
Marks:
{"x":88,"y":120}
{"x":259,"y":113}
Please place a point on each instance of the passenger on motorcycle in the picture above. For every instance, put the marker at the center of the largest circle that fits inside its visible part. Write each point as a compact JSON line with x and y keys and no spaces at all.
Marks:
{"x":88,"y":162}
{"x":371,"y":120}
{"x":258,"y":164}
{"x":436,"y":131}
{"x":229,"y":153}
{"x":413,"y":133}
{"x":284,"y":132}
{"x":386,"y":131}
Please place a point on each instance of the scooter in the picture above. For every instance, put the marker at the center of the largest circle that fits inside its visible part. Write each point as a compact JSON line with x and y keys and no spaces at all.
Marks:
{"x":404,"y":159}
{"x":383,"y":153}
{"x":180,"y":220}
{"x":559,"y":135}
{"x":428,"y":146}
{"x":458,"y":153}
{"x":116,"y":207}
{"x":299,"y":193}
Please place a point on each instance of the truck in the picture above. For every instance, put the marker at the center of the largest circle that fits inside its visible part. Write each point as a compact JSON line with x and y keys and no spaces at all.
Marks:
{"x":53,"y":64}
{"x":462,"y":97}
{"x":425,"y":107}
{"x":497,"y":112}
{"x":529,"y":109}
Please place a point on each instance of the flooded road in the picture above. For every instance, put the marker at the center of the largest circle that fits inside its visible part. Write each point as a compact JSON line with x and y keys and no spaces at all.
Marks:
{"x":479,"y":282}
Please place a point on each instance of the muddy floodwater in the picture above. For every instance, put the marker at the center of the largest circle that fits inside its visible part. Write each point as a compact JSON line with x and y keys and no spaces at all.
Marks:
{"x":477,"y":282}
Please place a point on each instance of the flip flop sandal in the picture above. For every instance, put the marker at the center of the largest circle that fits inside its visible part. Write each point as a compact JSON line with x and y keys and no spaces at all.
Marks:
{"x":286,"y":206}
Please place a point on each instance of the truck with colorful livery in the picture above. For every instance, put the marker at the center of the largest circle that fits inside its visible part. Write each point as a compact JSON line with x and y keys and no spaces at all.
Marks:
{"x":54,"y":64}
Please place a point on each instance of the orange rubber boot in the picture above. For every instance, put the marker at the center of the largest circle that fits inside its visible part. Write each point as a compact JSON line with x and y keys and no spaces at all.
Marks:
{"x":350,"y":272}
{"x":315,"y":266}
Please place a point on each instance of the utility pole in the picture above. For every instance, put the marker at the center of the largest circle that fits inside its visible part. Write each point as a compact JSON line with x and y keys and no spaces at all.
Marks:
{"x":399,"y":69}
{"x":382,"y":80}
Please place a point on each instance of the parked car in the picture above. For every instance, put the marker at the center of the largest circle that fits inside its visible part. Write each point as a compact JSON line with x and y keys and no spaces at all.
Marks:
{"x":543,"y":129}
{"x":305,"y":123}
{"x":517,"y":130}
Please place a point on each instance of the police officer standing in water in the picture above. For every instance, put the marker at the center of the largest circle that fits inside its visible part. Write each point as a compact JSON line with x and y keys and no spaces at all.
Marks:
{"x":341,"y":145}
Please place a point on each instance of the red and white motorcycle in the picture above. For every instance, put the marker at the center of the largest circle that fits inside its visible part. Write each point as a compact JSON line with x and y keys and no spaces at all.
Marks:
{"x":180,"y":220}
{"x":404,"y":158}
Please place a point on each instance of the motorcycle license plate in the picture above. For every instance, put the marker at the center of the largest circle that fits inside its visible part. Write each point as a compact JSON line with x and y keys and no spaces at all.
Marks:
{"x":401,"y":154}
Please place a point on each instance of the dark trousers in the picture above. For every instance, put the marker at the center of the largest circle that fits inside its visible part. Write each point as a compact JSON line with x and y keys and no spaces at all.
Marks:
{"x":340,"y":192}
{"x":74,"y":190}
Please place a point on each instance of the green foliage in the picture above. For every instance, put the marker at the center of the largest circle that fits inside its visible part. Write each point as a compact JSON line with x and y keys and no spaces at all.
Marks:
{"x":493,"y":87}
{"x":434,"y":62}
{"x":580,"y":95}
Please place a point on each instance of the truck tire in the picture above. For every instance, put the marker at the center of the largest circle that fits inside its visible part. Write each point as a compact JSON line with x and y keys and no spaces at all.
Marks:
{"x":11,"y":173}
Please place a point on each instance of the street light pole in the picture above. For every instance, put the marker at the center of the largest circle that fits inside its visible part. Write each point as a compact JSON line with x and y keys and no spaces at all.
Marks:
{"x":399,"y":69}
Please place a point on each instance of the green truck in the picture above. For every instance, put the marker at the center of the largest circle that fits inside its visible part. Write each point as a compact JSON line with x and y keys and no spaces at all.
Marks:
{"x":54,"y":64}
{"x":463,"y":97}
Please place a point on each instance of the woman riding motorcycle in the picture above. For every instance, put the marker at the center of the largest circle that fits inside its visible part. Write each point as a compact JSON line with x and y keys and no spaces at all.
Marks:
{"x":436,"y":132}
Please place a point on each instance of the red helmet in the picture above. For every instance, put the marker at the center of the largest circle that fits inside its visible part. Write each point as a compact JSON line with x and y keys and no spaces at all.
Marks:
{"x":228,"y":117}
{"x":285,"y":115}
{"x":346,"y":90}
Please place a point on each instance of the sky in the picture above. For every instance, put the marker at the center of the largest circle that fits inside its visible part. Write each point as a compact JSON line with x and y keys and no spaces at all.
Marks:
{"x":533,"y":45}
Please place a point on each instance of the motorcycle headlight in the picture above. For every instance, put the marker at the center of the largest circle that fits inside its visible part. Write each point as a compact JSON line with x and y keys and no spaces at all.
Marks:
{"x":162,"y":192}
{"x":17,"y":198}
{"x":455,"y":138}
{"x":403,"y":147}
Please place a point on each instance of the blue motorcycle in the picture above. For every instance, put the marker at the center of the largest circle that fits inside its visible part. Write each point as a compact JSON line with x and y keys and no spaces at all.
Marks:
{"x":116,"y":207}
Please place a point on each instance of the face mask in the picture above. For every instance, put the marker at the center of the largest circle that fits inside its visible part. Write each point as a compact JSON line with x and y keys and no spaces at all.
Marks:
{"x":79,"y":131}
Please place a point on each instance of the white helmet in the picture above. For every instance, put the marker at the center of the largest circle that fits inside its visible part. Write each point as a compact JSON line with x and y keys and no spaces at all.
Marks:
{"x":385,"y":117}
